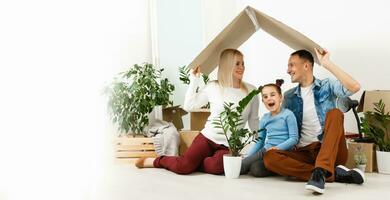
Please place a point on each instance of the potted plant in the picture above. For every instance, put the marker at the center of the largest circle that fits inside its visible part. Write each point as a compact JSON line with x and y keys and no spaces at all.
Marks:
{"x":376,"y":126}
{"x":229,"y":121}
{"x":360,"y":158}
{"x":134,"y":94}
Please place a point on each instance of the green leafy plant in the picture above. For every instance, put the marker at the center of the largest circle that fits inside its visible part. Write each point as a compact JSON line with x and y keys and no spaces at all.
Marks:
{"x":205,"y":78}
{"x":230,"y":122}
{"x":360,"y":157}
{"x":184,"y":76}
{"x":376,"y":126}
{"x":134,"y":94}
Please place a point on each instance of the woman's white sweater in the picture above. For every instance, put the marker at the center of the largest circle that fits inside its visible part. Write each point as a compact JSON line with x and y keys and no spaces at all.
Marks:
{"x":216,"y":95}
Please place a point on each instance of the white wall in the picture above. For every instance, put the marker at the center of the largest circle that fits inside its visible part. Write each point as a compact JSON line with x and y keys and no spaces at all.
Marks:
{"x":56,"y":57}
{"x":179,"y":36}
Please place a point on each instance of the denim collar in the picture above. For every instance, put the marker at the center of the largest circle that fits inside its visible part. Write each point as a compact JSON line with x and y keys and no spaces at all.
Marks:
{"x":317,"y":84}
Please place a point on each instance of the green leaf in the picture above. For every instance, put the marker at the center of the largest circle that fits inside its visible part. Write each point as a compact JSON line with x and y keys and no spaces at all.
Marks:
{"x":184,"y":74}
{"x":230,"y":121}
{"x":375,"y":125}
{"x":205,"y":78}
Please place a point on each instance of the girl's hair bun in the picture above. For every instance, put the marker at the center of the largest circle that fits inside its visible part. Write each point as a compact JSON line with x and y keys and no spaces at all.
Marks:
{"x":279,"y":82}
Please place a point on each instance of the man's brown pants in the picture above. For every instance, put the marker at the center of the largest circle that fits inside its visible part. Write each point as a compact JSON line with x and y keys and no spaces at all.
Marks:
{"x":300,"y":162}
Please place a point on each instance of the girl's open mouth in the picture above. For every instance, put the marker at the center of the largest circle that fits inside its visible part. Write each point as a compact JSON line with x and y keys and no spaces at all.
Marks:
{"x":271,"y":104}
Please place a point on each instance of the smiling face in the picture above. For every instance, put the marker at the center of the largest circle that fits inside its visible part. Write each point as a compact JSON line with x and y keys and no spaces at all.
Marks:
{"x":297,"y":69}
{"x":271,"y":99}
{"x":239,"y":67}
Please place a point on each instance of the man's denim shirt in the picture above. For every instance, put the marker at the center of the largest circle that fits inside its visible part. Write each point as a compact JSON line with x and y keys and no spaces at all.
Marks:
{"x":325,"y":94}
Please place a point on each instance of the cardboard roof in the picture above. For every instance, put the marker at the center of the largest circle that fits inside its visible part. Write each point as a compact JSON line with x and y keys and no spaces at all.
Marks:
{"x":241,"y":29}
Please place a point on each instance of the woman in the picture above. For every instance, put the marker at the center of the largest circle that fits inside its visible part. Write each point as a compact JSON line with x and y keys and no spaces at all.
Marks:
{"x":207,"y":150}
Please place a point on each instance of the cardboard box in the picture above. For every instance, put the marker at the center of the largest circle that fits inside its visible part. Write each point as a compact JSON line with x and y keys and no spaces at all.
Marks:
{"x":198,"y":119}
{"x":186,"y":138}
{"x":369,"y":151}
{"x":241,"y":29}
{"x":366,"y":103}
{"x":368,"y":99}
{"x":174,"y":114}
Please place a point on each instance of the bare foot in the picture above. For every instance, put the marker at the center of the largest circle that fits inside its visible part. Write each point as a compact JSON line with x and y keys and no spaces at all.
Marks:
{"x":144,"y":162}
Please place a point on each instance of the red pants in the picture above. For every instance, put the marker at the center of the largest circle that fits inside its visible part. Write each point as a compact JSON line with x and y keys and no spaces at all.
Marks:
{"x":300,"y":162}
{"x":203,"y":155}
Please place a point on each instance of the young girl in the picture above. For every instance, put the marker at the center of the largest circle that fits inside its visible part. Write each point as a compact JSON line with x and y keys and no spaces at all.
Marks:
{"x":279,"y":130}
{"x":207,"y":150}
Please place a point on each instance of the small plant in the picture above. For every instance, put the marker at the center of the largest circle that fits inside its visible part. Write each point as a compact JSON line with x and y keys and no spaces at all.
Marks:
{"x":230,"y":122}
{"x":134,"y":94}
{"x":376,"y":126}
{"x":360,"y":157}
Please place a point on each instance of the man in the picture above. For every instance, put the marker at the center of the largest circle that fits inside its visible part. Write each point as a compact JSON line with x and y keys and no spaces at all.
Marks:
{"x":321,"y":150}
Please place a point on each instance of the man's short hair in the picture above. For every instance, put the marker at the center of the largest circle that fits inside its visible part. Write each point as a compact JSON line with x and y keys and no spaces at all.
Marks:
{"x":304,"y":54}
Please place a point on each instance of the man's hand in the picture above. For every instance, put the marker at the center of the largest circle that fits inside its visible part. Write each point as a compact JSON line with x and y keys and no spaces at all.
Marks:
{"x":323,"y":57}
{"x":345,"y":79}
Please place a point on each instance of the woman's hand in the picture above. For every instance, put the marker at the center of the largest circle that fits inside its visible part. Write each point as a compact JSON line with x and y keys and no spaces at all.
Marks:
{"x":196,"y":71}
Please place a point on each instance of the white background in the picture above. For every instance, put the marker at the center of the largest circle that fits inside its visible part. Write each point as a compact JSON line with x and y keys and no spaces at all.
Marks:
{"x":57,"y":56}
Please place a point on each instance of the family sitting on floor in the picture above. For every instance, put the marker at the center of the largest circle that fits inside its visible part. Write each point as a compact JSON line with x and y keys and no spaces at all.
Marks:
{"x":302,"y":134}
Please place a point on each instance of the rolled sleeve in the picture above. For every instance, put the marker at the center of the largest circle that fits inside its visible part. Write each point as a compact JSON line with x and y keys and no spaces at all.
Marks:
{"x":338,"y":88}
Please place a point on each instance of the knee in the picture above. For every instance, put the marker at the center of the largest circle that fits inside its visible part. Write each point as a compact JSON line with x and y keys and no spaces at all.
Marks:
{"x":335,"y":113}
{"x":269,"y":158}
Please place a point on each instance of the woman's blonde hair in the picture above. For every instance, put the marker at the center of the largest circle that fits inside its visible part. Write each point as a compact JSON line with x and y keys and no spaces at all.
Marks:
{"x":225,"y":69}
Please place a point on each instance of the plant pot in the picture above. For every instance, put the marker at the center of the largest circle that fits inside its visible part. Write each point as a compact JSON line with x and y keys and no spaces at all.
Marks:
{"x":361,"y":167}
{"x":232,"y":165}
{"x":383,"y":160}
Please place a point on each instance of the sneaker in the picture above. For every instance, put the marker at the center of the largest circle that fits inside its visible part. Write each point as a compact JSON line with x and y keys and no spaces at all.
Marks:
{"x":317,"y":181}
{"x":345,"y":175}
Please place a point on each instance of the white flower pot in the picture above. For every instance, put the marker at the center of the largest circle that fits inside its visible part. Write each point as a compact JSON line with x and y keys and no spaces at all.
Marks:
{"x":383,"y":160}
{"x":232,"y":166}
{"x":361,"y":167}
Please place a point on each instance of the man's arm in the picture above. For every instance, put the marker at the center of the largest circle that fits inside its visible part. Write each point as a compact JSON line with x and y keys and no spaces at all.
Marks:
{"x":345,"y":79}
